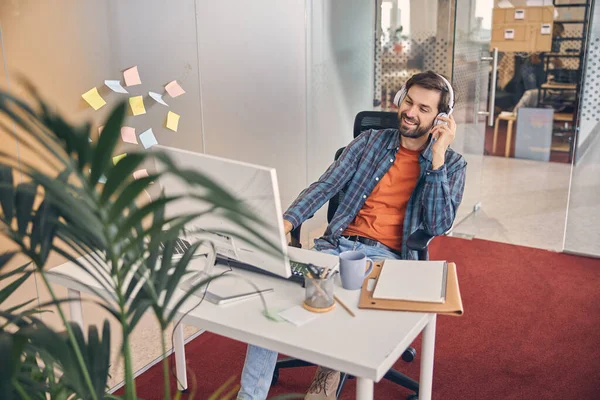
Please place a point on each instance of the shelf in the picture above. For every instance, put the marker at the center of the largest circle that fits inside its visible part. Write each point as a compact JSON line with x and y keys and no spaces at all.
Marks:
{"x":571,"y":5}
{"x":559,"y":86}
{"x":567,"y":55}
{"x":571,"y":22}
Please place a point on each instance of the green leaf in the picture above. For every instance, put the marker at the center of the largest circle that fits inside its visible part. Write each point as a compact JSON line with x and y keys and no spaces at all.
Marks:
{"x":24,"y":198}
{"x":5,"y":258}
{"x":106,"y":143}
{"x":120,"y":174}
{"x":129,"y":195}
{"x":10,"y":288}
{"x":6,"y":192}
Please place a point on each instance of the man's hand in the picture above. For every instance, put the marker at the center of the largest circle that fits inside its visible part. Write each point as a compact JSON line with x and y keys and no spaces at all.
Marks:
{"x":287,"y":226}
{"x":444,"y":135}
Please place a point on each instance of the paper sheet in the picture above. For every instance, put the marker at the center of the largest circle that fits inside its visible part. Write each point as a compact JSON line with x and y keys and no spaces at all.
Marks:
{"x":174,"y":89}
{"x":115,"y":86}
{"x":128,"y":135}
{"x":148,"y":139}
{"x":158,"y":98}
{"x":93,"y":98}
{"x":172,"y":121}
{"x":137,"y":105}
{"x":141,"y":173}
{"x":298,"y":315}
{"x":118,"y":158}
{"x":132,"y":76}
{"x":409,"y":280}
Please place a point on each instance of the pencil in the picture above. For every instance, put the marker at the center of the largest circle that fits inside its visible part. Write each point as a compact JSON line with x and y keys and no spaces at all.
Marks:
{"x":343,"y":305}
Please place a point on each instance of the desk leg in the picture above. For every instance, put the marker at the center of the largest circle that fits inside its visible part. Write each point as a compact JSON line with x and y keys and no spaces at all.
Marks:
{"x":426,"y":380}
{"x":508,"y":138}
{"x":75,"y":307}
{"x":364,"y":389}
{"x":495,"y":141}
{"x":179,"y":349}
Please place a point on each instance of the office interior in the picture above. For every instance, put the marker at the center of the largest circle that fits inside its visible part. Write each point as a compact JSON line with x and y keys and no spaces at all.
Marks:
{"x":278,"y":83}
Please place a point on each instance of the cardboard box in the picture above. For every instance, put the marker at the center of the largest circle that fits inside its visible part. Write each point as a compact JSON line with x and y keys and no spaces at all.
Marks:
{"x":525,"y":23}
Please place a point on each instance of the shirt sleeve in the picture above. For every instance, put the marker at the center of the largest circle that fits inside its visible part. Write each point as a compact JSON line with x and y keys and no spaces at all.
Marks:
{"x":311,"y":199}
{"x":442,"y":195}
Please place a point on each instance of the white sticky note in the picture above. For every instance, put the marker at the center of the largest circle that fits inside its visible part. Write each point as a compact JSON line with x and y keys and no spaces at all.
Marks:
{"x":519,"y":14}
{"x":132,"y":76}
{"x":297,"y":315}
{"x":115,"y":86}
{"x":509,"y":34}
{"x":158,"y":98}
{"x":137,"y":105}
{"x":93,"y":98}
{"x":546,"y":29}
{"x":148,"y":139}
{"x":118,"y":158}
{"x":142,"y":173}
{"x":172,"y":121}
{"x":174,"y":89}
{"x":128,"y":135}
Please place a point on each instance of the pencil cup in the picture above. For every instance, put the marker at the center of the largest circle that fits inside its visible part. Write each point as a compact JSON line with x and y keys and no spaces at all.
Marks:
{"x":319,"y":294}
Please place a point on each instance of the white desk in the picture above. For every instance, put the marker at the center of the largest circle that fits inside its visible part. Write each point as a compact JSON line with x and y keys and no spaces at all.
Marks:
{"x":366,"y":346}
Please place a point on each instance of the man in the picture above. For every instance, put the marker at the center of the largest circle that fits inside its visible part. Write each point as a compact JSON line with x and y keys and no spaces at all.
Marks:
{"x":396,"y":181}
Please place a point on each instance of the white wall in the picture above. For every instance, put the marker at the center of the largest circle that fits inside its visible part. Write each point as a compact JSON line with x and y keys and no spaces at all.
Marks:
{"x":252,"y":65}
{"x":340,"y":70}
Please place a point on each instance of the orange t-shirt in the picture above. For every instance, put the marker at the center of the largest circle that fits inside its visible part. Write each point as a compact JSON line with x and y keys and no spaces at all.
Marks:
{"x":382,"y":216}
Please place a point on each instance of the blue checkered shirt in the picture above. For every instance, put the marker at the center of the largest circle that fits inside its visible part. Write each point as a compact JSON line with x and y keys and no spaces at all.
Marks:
{"x":432,"y":205}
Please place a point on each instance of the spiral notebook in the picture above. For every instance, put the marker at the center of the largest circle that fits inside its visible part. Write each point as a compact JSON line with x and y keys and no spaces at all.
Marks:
{"x":422,"y":281}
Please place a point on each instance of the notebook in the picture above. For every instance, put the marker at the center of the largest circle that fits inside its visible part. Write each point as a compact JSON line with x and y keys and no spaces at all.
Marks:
{"x":422,"y":281}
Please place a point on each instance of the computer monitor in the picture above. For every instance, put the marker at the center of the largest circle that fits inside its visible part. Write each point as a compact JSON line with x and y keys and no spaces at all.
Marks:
{"x":254,"y":185}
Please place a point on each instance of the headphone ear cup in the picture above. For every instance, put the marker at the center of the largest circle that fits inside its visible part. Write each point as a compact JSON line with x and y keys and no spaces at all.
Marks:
{"x":399,"y":98}
{"x":440,"y":122}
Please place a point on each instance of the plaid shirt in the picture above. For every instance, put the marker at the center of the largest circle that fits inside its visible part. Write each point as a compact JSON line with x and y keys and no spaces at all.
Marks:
{"x":432,"y":205}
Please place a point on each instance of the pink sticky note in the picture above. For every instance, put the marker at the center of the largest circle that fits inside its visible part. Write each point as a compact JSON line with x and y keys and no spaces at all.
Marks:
{"x":142,"y":173}
{"x":174,"y":89}
{"x":128,"y":135}
{"x":132,"y":76}
{"x":100,"y":128}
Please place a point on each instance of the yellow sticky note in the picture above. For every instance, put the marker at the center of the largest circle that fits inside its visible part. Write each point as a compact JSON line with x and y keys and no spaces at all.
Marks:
{"x":172,"y":121}
{"x":137,"y":105}
{"x":94,"y":99}
{"x":118,"y":158}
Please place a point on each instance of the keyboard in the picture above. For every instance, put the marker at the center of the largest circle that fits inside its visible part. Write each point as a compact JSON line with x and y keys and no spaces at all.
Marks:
{"x":296,"y":267}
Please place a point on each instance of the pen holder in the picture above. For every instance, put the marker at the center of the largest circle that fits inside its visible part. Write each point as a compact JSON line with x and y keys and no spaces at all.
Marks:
{"x":318,"y":295}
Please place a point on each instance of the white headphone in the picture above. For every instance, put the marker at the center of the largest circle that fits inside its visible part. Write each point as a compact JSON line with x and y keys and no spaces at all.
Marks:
{"x":399,"y":98}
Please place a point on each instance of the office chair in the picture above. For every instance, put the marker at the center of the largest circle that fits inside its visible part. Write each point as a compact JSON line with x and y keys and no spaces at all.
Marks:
{"x":418,"y":241}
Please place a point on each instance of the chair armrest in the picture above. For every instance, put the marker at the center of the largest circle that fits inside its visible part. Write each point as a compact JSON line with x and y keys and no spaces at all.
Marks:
{"x":419,"y":240}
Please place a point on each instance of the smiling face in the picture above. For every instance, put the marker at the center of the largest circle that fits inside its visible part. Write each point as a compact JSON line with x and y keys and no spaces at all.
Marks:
{"x":418,"y":111}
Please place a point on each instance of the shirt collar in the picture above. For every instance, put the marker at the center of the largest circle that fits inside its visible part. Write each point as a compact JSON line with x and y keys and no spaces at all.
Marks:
{"x":395,"y":144}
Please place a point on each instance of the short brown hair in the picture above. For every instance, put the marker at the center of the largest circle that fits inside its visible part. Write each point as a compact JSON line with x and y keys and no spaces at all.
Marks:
{"x":432,"y":81}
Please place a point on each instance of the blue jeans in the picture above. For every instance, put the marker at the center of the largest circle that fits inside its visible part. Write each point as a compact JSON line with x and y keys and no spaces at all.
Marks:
{"x":260,"y":362}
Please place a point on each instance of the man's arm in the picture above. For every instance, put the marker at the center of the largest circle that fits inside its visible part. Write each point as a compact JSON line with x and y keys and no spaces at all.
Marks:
{"x":442,"y":195}
{"x":311,"y":199}
{"x":443,"y":190}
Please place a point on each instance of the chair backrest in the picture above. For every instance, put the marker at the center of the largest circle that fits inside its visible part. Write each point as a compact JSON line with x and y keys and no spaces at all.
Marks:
{"x":364,"y":121}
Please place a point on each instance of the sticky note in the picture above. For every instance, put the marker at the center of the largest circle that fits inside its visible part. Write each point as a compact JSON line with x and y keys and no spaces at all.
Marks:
{"x":158,"y":98}
{"x":174,"y":89}
{"x":137,"y":105}
{"x":128,"y":135}
{"x":94,"y":99}
{"x":100,"y":128}
{"x":172,"y":121}
{"x":115,"y":86}
{"x":142,"y":173}
{"x":148,"y":139}
{"x":118,"y":158}
{"x":102,"y":179}
{"x":132,"y":76}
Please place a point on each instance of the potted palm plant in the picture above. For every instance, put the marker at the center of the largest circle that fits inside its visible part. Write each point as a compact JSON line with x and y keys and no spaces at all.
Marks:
{"x":65,"y":210}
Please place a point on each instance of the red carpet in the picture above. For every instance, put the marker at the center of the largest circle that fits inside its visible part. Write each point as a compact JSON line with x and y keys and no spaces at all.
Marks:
{"x":530,"y":331}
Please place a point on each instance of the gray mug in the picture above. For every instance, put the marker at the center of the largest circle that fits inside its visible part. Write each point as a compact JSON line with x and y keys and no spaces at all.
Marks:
{"x":352,"y":269}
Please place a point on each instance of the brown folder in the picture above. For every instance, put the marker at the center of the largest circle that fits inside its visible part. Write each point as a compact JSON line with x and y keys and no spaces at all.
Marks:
{"x":452,"y":305}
